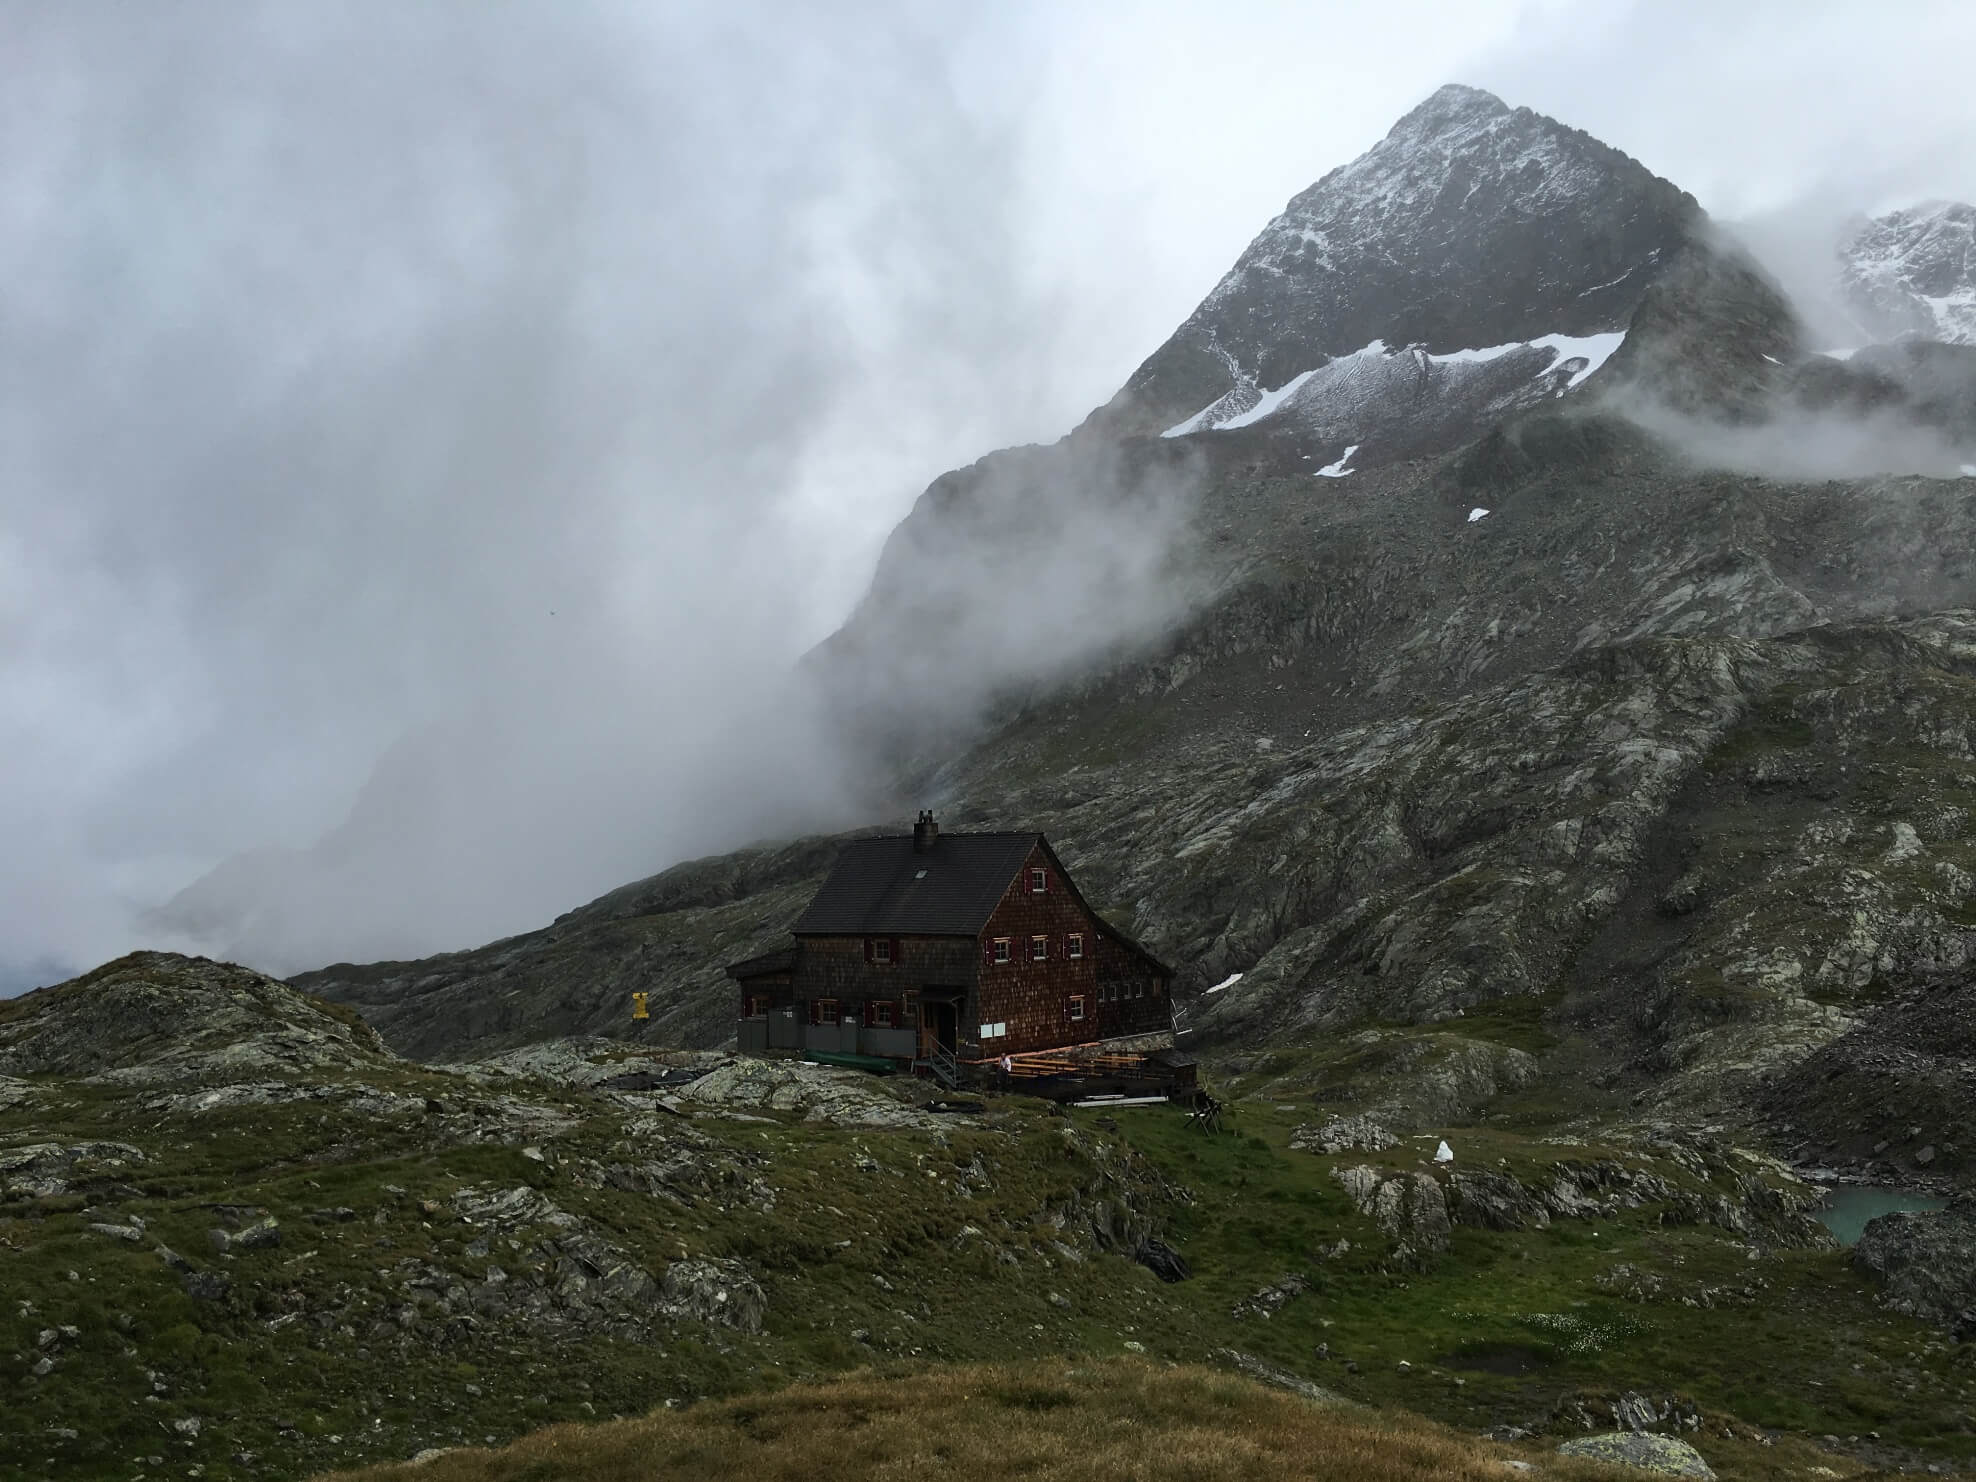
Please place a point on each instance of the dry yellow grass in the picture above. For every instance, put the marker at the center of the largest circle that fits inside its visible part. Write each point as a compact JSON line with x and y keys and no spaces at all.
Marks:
{"x":1109,"y":1421}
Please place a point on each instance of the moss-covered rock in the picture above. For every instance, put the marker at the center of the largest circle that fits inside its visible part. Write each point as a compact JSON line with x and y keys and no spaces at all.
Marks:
{"x":1669,"y":1456}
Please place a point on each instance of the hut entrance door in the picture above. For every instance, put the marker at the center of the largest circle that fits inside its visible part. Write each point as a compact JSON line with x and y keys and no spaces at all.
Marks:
{"x":939,"y":1026}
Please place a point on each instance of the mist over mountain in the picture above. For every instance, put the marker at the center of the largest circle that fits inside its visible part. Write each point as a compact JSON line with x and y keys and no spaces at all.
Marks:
{"x":1511,"y":651}
{"x":1290,"y":561}
{"x":1479,"y":264}
{"x":1911,"y":273}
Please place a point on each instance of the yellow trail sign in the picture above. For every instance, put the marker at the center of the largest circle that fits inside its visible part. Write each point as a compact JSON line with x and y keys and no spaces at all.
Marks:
{"x":638,"y":1009}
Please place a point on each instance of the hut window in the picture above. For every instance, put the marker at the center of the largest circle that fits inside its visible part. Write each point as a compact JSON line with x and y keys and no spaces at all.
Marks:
{"x":1077,"y":1006}
{"x":1039,"y":949}
{"x":1074,"y":948}
{"x":1002,"y":953}
{"x":1039,"y":881}
{"x":823,"y":1011}
{"x":881,"y":950}
{"x":883,"y":1013}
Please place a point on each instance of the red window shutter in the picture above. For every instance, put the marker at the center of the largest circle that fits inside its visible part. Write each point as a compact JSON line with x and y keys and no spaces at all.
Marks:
{"x":895,"y":950}
{"x":1046,"y":881}
{"x":988,"y":950}
{"x":867,"y":949}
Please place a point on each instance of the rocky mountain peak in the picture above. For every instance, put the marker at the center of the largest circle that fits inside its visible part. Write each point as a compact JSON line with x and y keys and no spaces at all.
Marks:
{"x":1449,"y":101}
{"x":1471,"y":225}
{"x":1912,"y":273}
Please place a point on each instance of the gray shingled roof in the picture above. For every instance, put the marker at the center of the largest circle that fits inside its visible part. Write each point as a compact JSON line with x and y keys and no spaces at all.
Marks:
{"x":781,"y":960}
{"x":882,"y":886}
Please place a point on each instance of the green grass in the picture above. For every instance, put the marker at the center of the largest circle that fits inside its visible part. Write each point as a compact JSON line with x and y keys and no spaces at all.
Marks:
{"x":1783,"y":1359}
{"x":973,"y":1247}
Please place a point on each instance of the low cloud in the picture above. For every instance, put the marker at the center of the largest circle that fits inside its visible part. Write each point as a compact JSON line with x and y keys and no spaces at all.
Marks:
{"x":1794,"y":444}
{"x":475,"y":412}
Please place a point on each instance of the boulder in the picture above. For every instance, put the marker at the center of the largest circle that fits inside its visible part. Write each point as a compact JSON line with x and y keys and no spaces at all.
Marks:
{"x":1641,"y":1449}
{"x":1271,"y":1299}
{"x":259,"y":1236}
{"x":713,"y":1291}
{"x":1162,"y":1260}
{"x":1926,"y":1263}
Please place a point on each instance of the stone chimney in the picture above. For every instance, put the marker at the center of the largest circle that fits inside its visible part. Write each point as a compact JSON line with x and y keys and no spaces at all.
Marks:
{"x":925,"y":832}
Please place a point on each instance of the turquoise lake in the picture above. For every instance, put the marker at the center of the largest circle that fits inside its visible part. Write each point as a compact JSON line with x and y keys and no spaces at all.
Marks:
{"x":1848,"y":1207}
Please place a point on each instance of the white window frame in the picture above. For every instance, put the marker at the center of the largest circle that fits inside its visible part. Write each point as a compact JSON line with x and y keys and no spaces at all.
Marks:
{"x":1039,"y":880}
{"x":881,"y":951}
{"x":1004,"y":949}
{"x":1074,"y":946}
{"x":1039,"y":949}
{"x":1076,"y":1007}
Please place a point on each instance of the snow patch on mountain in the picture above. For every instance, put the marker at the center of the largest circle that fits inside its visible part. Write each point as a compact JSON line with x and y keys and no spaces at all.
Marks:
{"x":1338,"y":470}
{"x":1269,"y":401}
{"x":1376,"y":385}
{"x":1592,"y":350}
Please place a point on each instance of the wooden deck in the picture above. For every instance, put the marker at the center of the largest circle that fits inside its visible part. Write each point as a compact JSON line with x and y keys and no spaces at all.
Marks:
{"x":1076,"y":1072}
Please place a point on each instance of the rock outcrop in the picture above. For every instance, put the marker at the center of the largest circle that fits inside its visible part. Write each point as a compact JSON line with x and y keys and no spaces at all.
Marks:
{"x":1343,"y":1135}
{"x":820,"y":1093}
{"x":156,"y":1016}
{"x":1668,"y":1456}
{"x":1926,"y":1264}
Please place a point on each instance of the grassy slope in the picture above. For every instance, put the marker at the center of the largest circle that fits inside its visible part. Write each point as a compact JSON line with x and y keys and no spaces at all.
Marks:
{"x":867,"y":1266}
{"x":1094,"y":1422}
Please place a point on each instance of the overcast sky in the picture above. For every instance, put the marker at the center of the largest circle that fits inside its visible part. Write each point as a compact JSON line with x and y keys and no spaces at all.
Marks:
{"x":526,"y":385}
